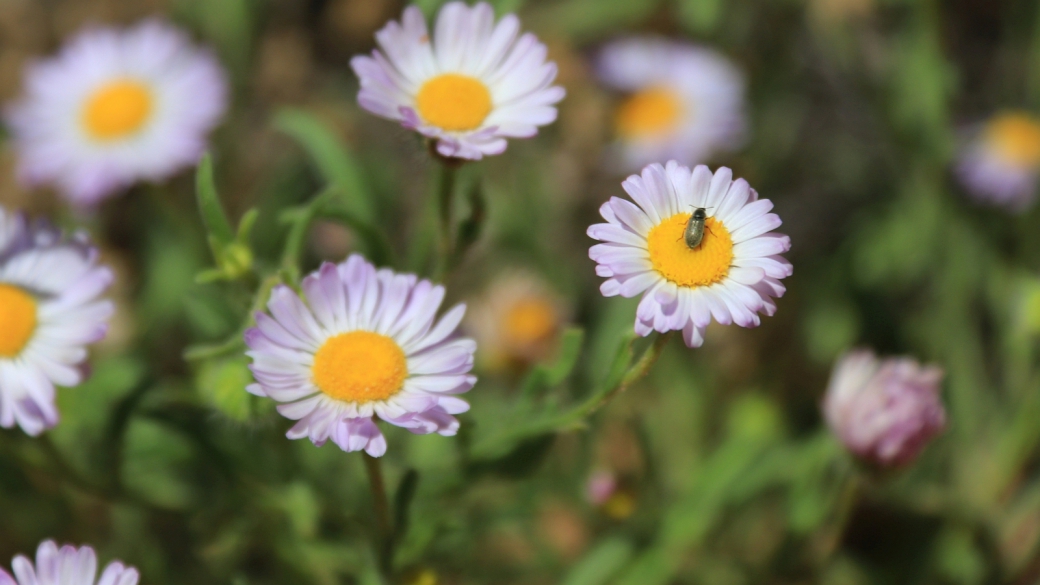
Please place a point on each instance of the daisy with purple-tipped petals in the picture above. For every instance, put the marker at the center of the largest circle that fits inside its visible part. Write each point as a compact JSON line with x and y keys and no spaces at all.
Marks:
{"x":471,"y":86}
{"x":115,"y":107}
{"x":732,"y":275}
{"x":67,"y":565}
{"x":683,"y":101}
{"x":1001,"y":163}
{"x":49,"y":313}
{"x":361,"y":343}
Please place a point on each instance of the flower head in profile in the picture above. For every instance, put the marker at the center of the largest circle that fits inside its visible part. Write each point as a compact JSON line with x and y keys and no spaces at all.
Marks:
{"x":516,"y":321}
{"x":115,"y":107}
{"x":1001,"y":163}
{"x":469,"y":87}
{"x":361,"y":343}
{"x":683,"y":102}
{"x":67,"y":565}
{"x":49,"y":313}
{"x":884,"y":410}
{"x":732,"y":275}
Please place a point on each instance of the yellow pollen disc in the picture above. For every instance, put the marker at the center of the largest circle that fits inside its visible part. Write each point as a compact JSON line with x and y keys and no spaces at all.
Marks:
{"x":1017,"y":137}
{"x":17,"y":320}
{"x":359,"y":366}
{"x":707,"y":264}
{"x":651,"y":112}
{"x":454,"y":102}
{"x":117,"y":110}
{"x":529,"y":321}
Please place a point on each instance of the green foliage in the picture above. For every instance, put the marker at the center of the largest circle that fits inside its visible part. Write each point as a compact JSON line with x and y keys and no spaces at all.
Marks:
{"x":722,"y":467}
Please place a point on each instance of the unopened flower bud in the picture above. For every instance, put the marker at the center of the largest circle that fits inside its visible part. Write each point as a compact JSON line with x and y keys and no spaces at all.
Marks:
{"x":884,"y":410}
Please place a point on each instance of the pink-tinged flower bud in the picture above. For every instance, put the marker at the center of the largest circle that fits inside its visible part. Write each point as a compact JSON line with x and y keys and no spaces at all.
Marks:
{"x":884,"y":410}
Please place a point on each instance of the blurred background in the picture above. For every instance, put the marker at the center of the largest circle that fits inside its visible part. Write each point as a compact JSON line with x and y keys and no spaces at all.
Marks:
{"x":716,"y":468}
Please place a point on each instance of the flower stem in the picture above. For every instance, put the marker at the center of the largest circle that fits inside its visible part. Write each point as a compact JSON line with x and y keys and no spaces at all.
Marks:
{"x":633,"y":375}
{"x":446,"y":214}
{"x":384,"y":528}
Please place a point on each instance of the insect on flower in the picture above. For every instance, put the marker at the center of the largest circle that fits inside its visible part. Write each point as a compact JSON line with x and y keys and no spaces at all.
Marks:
{"x":694,"y":232}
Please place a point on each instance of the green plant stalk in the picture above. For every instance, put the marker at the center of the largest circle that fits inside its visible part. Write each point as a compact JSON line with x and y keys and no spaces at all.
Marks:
{"x":633,"y":375}
{"x":300,"y":223}
{"x":576,"y":416}
{"x":381,"y":505}
{"x":445,"y":215}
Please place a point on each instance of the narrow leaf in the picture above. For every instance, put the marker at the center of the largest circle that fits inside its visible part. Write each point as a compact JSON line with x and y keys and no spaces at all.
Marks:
{"x":212,"y":212}
{"x":334,"y":161}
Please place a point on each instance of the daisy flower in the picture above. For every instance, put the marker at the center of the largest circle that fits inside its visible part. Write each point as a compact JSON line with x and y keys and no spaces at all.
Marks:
{"x":517,"y":320}
{"x":470,"y":87}
{"x":732,"y":275}
{"x":115,"y":107}
{"x":67,"y":565}
{"x":684,"y":102}
{"x":884,"y":410}
{"x":1000,"y":164}
{"x":49,"y":312}
{"x":361,"y":343}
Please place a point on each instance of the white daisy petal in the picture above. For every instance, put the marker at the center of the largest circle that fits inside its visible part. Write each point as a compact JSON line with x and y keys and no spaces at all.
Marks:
{"x":731,"y":276}
{"x":114,"y":108}
{"x":67,"y":565}
{"x":470,"y":87}
{"x":366,"y":343}
{"x":46,"y":319}
{"x":1000,"y":164}
{"x":684,"y":102}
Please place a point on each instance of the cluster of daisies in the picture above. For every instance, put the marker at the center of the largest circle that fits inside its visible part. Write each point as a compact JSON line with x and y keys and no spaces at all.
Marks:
{"x":358,"y":344}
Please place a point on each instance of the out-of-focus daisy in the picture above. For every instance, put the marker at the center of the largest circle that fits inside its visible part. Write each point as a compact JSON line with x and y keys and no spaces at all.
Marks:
{"x":884,"y":411}
{"x":365,"y":344}
{"x":606,"y":491}
{"x":517,"y":321}
{"x":49,"y":312}
{"x":67,"y":565}
{"x":1001,"y":162}
{"x":115,"y":107}
{"x":685,"y":102}
{"x":470,"y":87}
{"x":732,"y":275}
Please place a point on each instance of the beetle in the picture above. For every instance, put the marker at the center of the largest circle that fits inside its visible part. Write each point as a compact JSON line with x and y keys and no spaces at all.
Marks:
{"x":694,"y":232}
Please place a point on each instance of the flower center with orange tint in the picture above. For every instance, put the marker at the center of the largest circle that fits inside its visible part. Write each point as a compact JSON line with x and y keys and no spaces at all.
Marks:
{"x":530,"y":321}
{"x":651,"y":112}
{"x":17,"y":320}
{"x":704,"y":265}
{"x":359,"y":366}
{"x":117,"y":110}
{"x":1017,"y":138}
{"x":454,"y":102}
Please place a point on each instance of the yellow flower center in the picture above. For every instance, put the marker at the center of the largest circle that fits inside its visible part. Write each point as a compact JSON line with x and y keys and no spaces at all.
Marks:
{"x":17,"y":320}
{"x":706,"y":264}
{"x":530,"y":321}
{"x":651,"y":112}
{"x":360,"y":366}
{"x":1017,"y":137}
{"x":454,"y":102}
{"x":117,"y":110}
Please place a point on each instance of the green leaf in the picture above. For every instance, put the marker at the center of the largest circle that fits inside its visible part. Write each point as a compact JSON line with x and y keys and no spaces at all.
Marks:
{"x":701,"y":16}
{"x":570,"y":350}
{"x":212,"y":212}
{"x":601,"y":563}
{"x":222,"y":384}
{"x":332,"y":158}
{"x":622,"y":359}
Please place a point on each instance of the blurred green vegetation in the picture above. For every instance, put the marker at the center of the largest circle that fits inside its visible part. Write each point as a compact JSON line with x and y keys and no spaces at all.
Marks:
{"x":857,"y":106}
